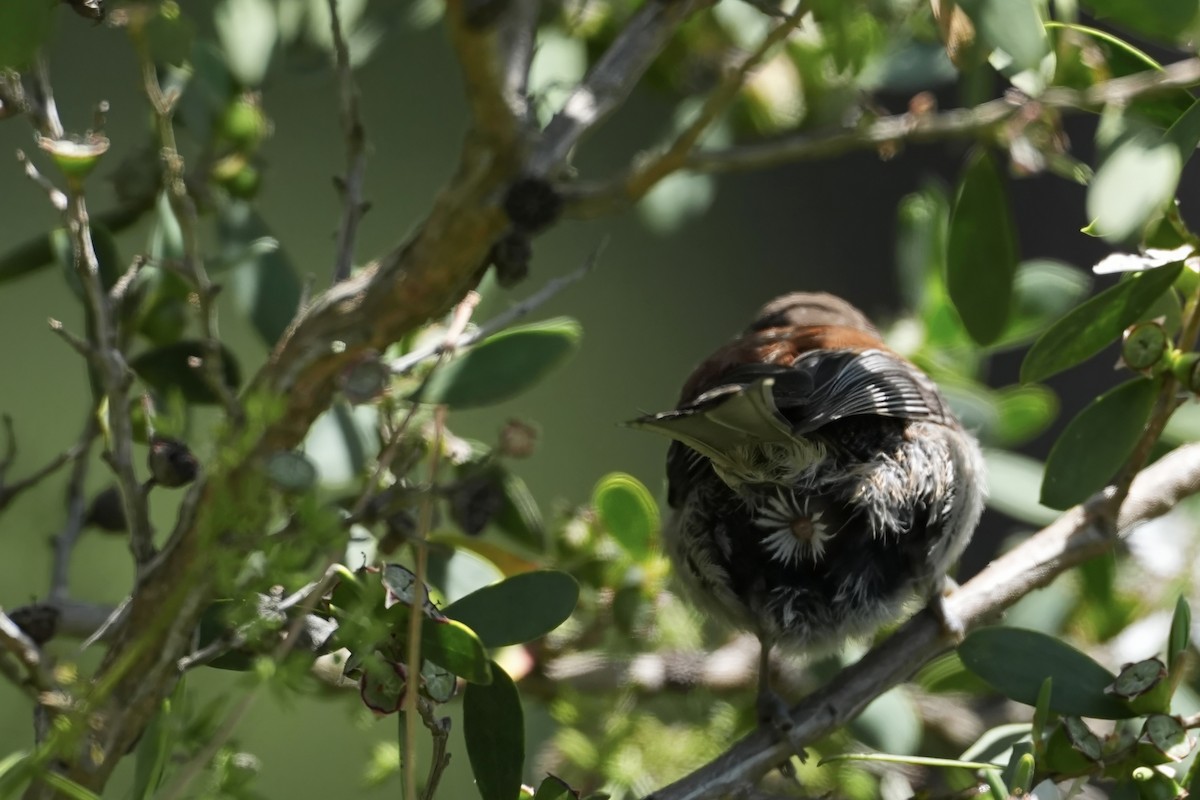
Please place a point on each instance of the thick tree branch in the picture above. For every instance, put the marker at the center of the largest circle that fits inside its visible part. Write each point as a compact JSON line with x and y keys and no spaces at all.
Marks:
{"x":1070,"y":540}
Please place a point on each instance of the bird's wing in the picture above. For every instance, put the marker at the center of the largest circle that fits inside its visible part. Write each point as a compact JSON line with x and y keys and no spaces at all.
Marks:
{"x":761,"y":403}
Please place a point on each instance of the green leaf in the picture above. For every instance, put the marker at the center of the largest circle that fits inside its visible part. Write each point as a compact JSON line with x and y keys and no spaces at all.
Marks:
{"x":1013,"y":26}
{"x":1043,"y":291}
{"x":1138,"y":178}
{"x":169,"y":36}
{"x":981,"y":253}
{"x":517,"y":609}
{"x":167,"y":369}
{"x":1096,"y":443}
{"x":1165,"y":20}
{"x":502,"y":366}
{"x":446,"y":642}
{"x":264,"y":284}
{"x":625,"y":508}
{"x":1096,"y":324}
{"x":494,"y":728}
{"x":921,"y":223}
{"x":25,"y":25}
{"x":1016,"y":663}
{"x":1023,"y":412}
{"x":1180,"y":636}
{"x":890,"y":724}
{"x":553,"y":787}
{"x":519,"y":517}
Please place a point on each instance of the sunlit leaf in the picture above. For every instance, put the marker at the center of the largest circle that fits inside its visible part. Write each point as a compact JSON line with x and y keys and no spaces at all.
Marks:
{"x":627,"y":511}
{"x":494,"y":728}
{"x":1016,"y":662}
{"x":1096,"y":323}
{"x":517,"y":609}
{"x":1138,"y":178}
{"x":1096,"y":443}
{"x":503,"y":365}
{"x":1012,"y":26}
{"x":981,"y":251}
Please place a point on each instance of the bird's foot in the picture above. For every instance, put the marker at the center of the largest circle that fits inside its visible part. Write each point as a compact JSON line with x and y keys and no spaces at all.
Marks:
{"x":773,"y":715}
{"x":952,"y":625}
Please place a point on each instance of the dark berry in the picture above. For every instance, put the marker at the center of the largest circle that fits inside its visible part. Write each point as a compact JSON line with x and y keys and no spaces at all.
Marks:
{"x":107,"y":512}
{"x":39,"y":621}
{"x":171,"y":463}
{"x":475,"y":500}
{"x":510,"y":256}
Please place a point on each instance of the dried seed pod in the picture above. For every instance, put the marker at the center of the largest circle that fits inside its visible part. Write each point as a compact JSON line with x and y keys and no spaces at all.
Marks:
{"x":171,"y":463}
{"x":1145,"y":346}
{"x":475,"y":500}
{"x":518,"y":439}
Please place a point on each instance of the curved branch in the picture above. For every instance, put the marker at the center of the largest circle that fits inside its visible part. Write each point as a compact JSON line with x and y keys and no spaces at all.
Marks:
{"x":1073,"y":538}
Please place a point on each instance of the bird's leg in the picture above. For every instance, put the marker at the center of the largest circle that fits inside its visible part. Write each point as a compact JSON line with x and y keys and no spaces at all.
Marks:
{"x":773,"y":709}
{"x":952,"y":625}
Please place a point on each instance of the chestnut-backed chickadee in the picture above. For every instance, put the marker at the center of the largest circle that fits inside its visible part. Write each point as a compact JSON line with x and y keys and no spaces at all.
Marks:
{"x":818,"y":481}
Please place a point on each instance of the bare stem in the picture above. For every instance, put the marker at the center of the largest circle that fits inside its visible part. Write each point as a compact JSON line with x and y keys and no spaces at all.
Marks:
{"x":351,"y":185}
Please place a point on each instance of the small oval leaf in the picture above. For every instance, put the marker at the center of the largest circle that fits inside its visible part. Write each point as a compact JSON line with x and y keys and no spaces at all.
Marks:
{"x":502,"y":366}
{"x":494,"y":729}
{"x":628,"y":512}
{"x":519,"y":516}
{"x":1096,"y":324}
{"x":1096,"y":443}
{"x":517,"y":609}
{"x":1016,"y":662}
{"x":1164,"y":20}
{"x":981,"y":251}
{"x":169,"y":368}
{"x":1023,"y":412}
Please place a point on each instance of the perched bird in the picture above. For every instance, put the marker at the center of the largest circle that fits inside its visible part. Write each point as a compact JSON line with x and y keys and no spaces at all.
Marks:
{"x":818,"y":481}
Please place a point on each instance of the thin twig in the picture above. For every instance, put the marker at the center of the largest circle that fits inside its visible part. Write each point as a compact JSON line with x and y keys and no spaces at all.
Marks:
{"x":1073,"y":538}
{"x":594,"y":199}
{"x":64,"y":542}
{"x":407,"y":362}
{"x":351,"y":186}
{"x":57,"y":197}
{"x":184,"y":208}
{"x":25,"y":650}
{"x":9,"y":491}
{"x":439,"y":729}
{"x":417,"y":616}
{"x":610,"y":80}
{"x":188,"y":772}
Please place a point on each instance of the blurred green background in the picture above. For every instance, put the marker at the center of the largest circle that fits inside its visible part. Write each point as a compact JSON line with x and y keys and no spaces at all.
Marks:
{"x":656,"y":304}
